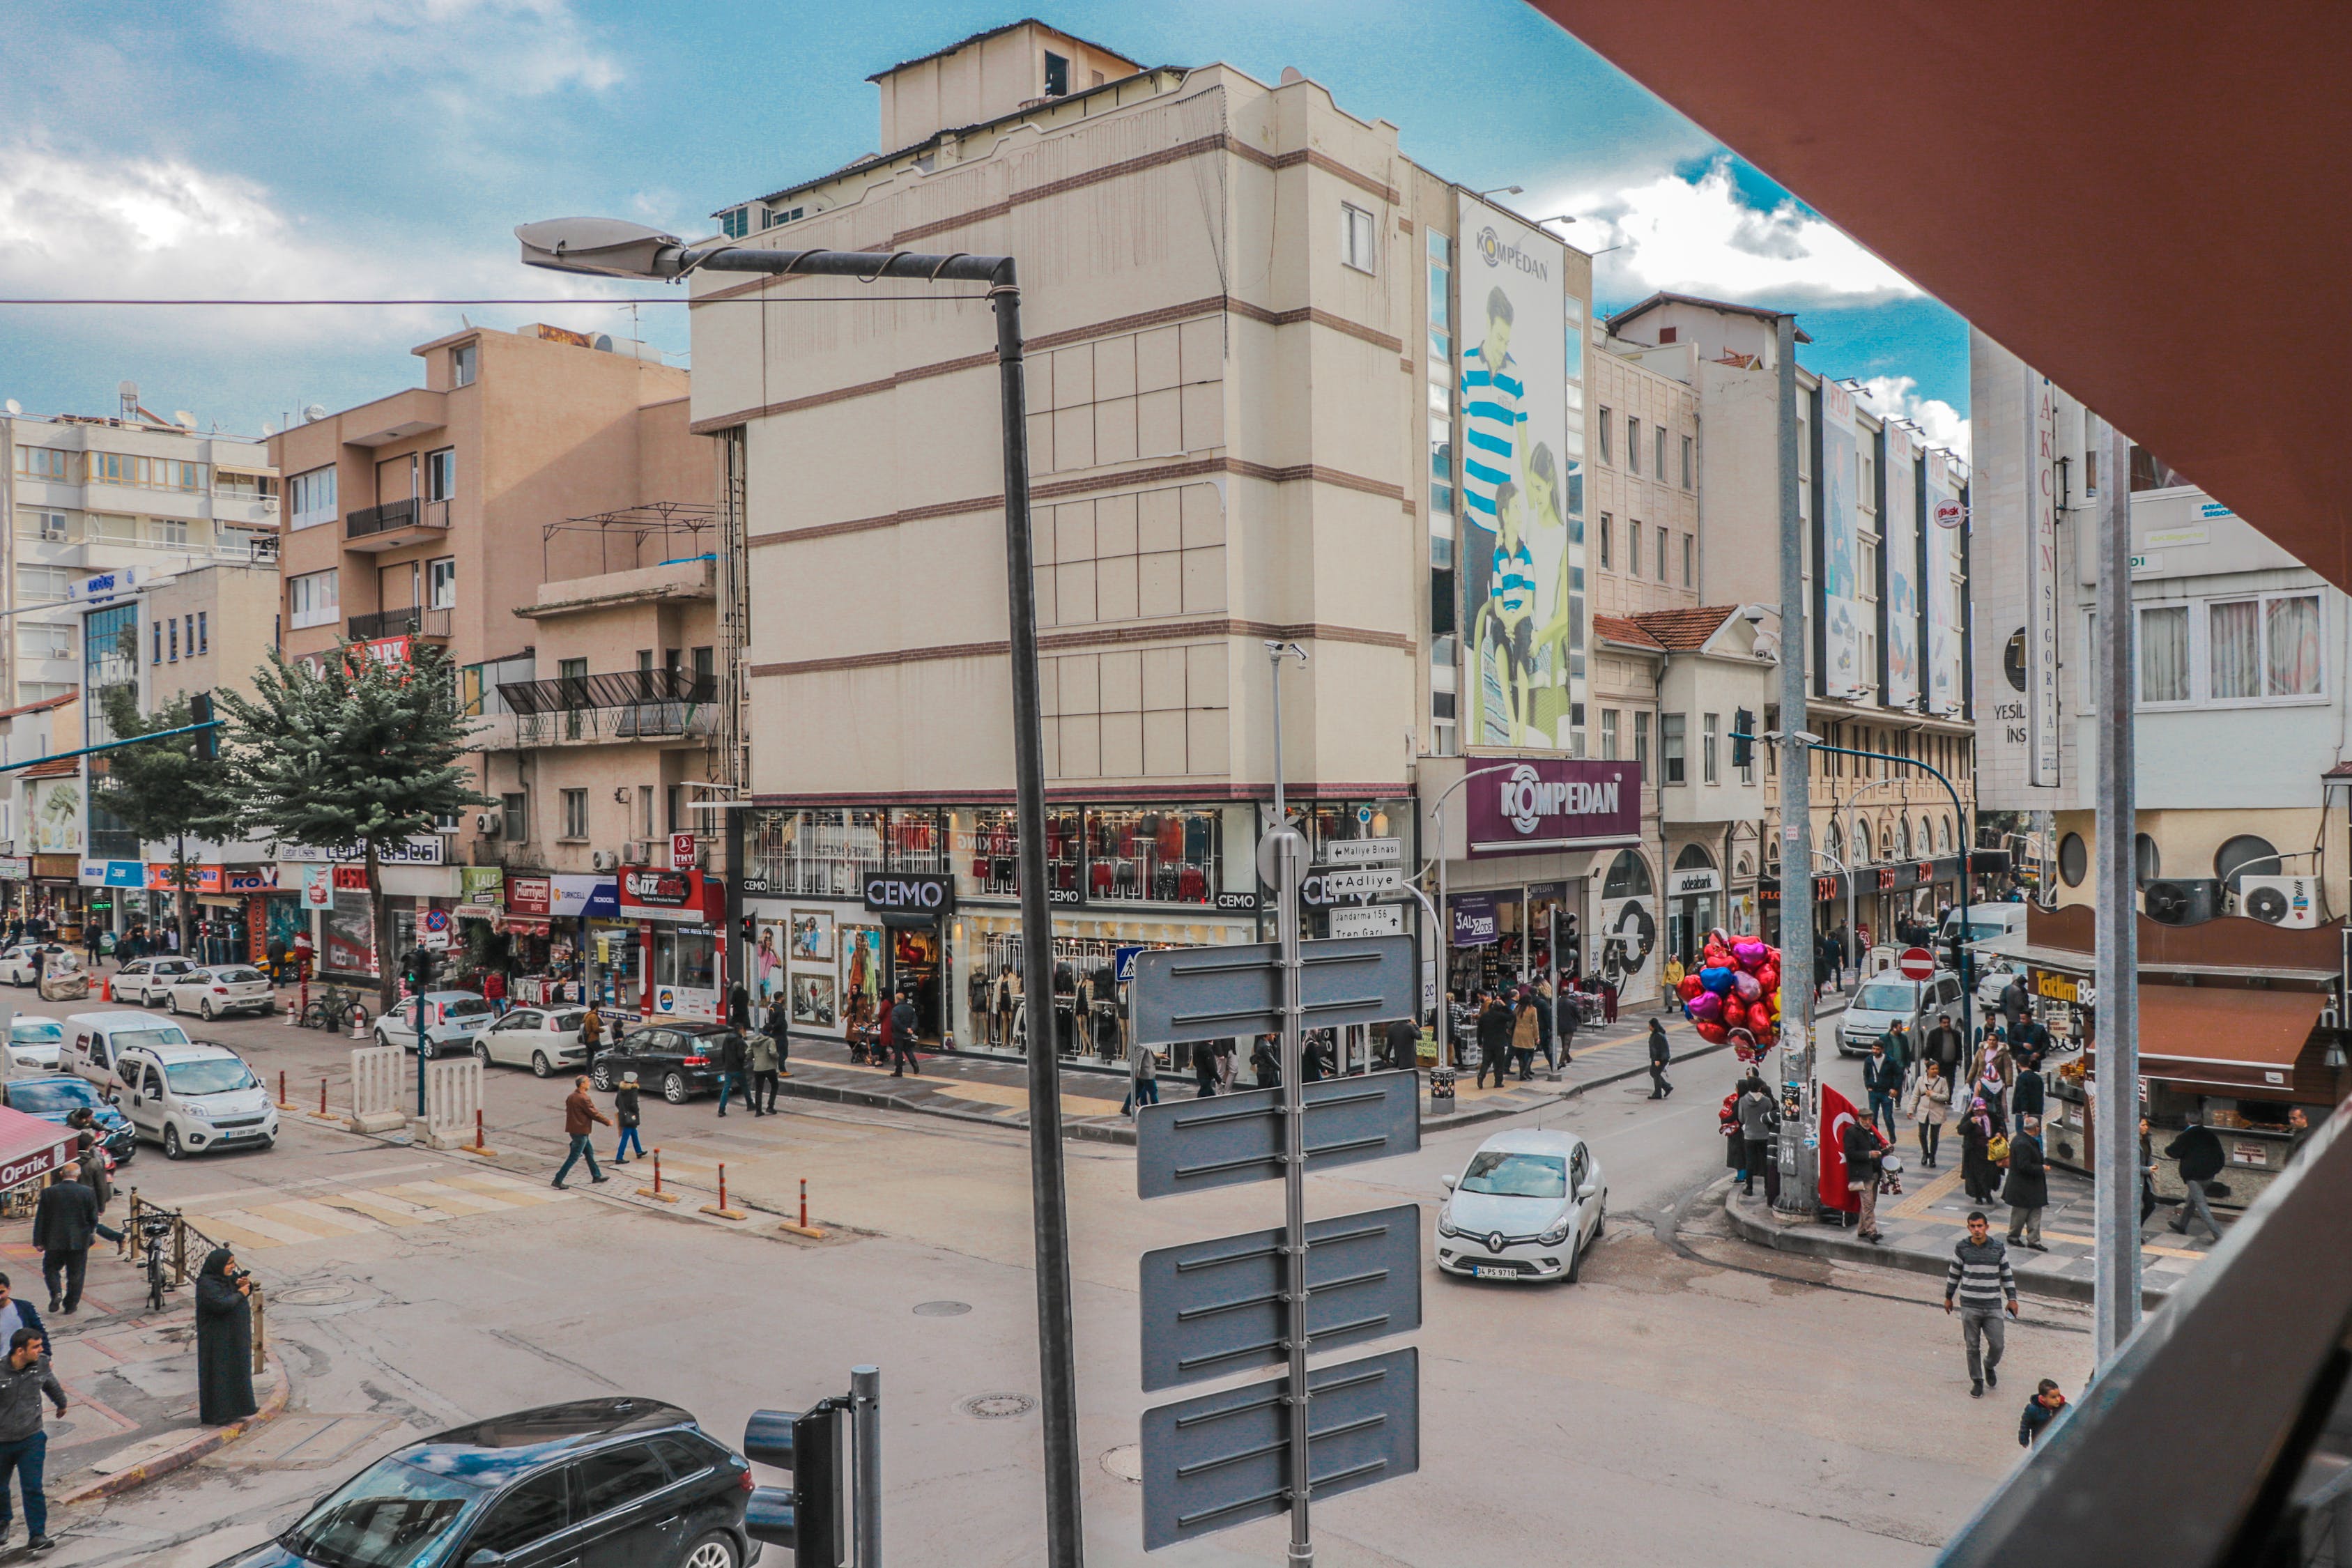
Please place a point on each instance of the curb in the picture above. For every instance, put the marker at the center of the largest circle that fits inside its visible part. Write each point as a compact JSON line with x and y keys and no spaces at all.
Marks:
{"x":206,"y":1441}
{"x":1817,"y":1241}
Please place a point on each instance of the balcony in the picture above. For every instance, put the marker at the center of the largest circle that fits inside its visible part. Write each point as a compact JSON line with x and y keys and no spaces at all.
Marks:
{"x":628,"y":705}
{"x":396,"y":524}
{"x":430,"y":625}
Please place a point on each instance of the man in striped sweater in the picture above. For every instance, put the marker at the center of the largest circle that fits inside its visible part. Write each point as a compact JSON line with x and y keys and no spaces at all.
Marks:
{"x":1979,"y":1276}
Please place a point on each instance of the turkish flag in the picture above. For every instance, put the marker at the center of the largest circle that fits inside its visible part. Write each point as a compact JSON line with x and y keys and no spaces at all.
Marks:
{"x":1837,"y":1110}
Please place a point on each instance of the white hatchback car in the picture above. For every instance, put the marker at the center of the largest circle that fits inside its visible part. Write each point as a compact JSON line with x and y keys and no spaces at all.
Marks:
{"x":1526,"y":1207}
{"x":34,"y":1042}
{"x":17,"y":963}
{"x":544,"y":1039}
{"x":229,"y":988}
{"x":148,"y":981}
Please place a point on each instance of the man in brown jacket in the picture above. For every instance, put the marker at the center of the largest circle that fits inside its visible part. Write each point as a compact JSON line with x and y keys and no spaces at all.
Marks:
{"x":580,"y":1118}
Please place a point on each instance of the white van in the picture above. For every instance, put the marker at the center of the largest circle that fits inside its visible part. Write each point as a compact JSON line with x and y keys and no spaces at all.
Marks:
{"x":1985,"y":923}
{"x":191,"y":1098}
{"x":95,"y":1042}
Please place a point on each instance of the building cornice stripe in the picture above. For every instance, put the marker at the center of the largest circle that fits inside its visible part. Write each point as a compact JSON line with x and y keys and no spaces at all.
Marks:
{"x":1082,"y":792}
{"x":1108,"y":637}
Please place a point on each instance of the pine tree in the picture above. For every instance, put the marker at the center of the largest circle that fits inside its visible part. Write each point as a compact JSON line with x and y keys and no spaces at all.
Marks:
{"x":161,"y":790}
{"x":357,"y":754}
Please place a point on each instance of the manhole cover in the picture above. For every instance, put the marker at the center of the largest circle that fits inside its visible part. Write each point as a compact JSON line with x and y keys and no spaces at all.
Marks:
{"x":313,"y":1295}
{"x":941,"y":1308}
{"x":997,"y":1406}
{"x":1125,"y":1462}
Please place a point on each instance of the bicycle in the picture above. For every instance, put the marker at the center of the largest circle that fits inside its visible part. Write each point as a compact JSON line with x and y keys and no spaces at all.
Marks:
{"x":336,"y":1010}
{"x":154,"y":1231}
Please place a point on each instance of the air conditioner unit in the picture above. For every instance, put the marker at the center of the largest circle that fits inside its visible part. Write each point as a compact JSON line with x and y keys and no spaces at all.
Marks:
{"x":604,"y":860}
{"x":637,"y":852}
{"x":2291,"y":901}
{"x":489,"y":823}
{"x":2182,"y":903}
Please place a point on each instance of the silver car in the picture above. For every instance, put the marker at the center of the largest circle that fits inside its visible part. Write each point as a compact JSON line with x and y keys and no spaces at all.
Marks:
{"x":1524,"y":1208}
{"x":228,"y":988}
{"x":1886,"y":1000}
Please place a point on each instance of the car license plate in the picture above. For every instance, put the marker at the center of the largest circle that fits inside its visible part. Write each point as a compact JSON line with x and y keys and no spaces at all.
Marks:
{"x":1482,"y":1272}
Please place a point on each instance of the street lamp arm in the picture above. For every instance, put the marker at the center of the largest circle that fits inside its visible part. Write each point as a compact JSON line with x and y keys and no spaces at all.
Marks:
{"x":615,"y":247}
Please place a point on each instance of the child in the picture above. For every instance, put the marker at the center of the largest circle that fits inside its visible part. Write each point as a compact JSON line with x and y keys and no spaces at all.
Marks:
{"x":2040,"y":1411}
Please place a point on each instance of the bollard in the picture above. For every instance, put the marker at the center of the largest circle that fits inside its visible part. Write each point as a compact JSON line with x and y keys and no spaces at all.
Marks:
{"x":655,"y":1192}
{"x":358,"y":1031}
{"x":480,"y":1145}
{"x":804,"y":1229}
{"x":288,"y":1014}
{"x":283,"y":1103}
{"x":720,"y":1208}
{"x":322,"y":1097}
{"x":803,"y":1200}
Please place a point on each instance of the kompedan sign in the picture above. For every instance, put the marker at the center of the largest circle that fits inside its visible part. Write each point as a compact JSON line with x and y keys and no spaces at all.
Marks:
{"x":1555,"y":802}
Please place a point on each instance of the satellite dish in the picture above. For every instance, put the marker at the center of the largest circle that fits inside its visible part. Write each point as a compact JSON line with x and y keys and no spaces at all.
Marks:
{"x":267,"y":429}
{"x":15,"y":407}
{"x":314,"y":411}
{"x":183,"y":419}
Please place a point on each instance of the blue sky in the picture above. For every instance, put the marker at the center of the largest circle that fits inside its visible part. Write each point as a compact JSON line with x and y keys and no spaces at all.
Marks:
{"x":384,"y":148}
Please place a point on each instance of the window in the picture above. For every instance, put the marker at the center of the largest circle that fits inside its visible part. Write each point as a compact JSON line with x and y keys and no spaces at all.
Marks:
{"x":204,"y":631}
{"x":514,"y":817}
{"x":1642,"y":737}
{"x":1661,"y":552}
{"x":1633,"y":448}
{"x":1658,"y":467}
{"x":1604,"y":437}
{"x":48,"y":463}
{"x":42,"y":690}
{"x":311,"y":497}
{"x":1686,"y":462}
{"x":674,"y":808}
{"x":646,"y":811}
{"x":441,"y":583}
{"x":1358,"y":243}
{"x":1609,"y":734}
{"x":1604,"y":542}
{"x":311,"y":599}
{"x":575,"y":813}
{"x":619,"y":1476}
{"x":48,"y":527}
{"x":2264,"y":649}
{"x":526,"y":1516}
{"x":35,"y":641}
{"x":735,"y":223}
{"x":771,"y":219}
{"x":1633,"y":549}
{"x":1670,"y":747}
{"x":705,"y":670}
{"x":158,"y":657}
{"x":2164,"y":654}
{"x":1058,"y":76}
{"x":441,"y":474}
{"x":1710,"y":729}
{"x":1690,"y":561}
{"x":464,"y":359}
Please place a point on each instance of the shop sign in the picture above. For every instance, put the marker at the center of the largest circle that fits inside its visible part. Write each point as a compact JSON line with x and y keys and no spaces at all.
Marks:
{"x":1704,"y":880}
{"x":350,"y":879}
{"x":261,"y":879}
{"x":419,"y":851}
{"x":647,"y":892}
{"x":30,"y":1167}
{"x":681,"y":851}
{"x":318,"y":886}
{"x":1555,"y":802}
{"x":1238,"y":903}
{"x":1476,"y":921}
{"x":909,"y":893}
{"x":15,"y":867}
{"x":2249,"y":1154}
{"x":112,"y":874}
{"x":2052,"y":987}
{"x":563,"y":893}
{"x":481,"y":886}
{"x":57,"y":867}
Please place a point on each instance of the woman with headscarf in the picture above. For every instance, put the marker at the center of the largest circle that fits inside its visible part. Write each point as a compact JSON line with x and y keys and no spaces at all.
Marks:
{"x":1979,"y":1174}
{"x":224,"y":1341}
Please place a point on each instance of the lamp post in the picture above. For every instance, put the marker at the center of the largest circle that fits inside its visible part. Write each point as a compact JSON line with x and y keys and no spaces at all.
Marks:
{"x":615,"y":247}
{"x":1446,"y":913}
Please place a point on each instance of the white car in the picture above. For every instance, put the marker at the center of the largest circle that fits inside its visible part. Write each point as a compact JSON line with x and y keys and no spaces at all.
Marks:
{"x":34,"y":1042}
{"x":17,"y":963}
{"x":1526,"y":1207}
{"x":230,"y":988}
{"x":193,"y":1098}
{"x":452,"y":1020}
{"x":544,"y":1039}
{"x":1992,"y":979}
{"x":148,"y":981}
{"x":1886,"y":1000}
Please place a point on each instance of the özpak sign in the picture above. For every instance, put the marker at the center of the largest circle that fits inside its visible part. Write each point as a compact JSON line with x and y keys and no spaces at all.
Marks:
{"x":1555,"y":802}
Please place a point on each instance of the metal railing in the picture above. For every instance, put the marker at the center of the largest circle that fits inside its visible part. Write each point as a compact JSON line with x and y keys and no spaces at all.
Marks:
{"x":186,"y":1240}
{"x":390,"y":515}
{"x":406,"y":623}
{"x":621,"y":688}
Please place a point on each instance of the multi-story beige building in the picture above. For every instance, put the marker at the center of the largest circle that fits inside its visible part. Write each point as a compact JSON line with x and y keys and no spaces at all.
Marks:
{"x":540,"y":508}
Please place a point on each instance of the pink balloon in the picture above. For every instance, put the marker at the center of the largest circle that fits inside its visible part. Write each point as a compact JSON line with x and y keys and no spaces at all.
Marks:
{"x":1705,"y":1007}
{"x":1745,"y":983}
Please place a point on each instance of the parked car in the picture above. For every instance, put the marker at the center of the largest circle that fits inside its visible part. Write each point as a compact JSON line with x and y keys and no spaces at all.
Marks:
{"x":544,"y":1039}
{"x":228,"y":988}
{"x":452,"y":1020}
{"x":1526,"y":1206}
{"x":1887,"y":999}
{"x":63,"y":979}
{"x":16,"y":962}
{"x":52,"y":1099}
{"x":1992,"y":979}
{"x":680,"y":1059}
{"x":35,"y":1041}
{"x":148,"y":981}
{"x":623,"y":1481}
{"x":195,"y":1096}
{"x":94,"y":1040}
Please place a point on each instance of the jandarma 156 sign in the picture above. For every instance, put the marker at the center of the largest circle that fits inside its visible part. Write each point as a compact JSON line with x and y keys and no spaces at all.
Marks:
{"x":1555,"y":804}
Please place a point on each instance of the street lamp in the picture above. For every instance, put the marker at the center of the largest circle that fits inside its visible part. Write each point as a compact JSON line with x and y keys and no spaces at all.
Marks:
{"x":614,"y":248}
{"x":1446,"y":916}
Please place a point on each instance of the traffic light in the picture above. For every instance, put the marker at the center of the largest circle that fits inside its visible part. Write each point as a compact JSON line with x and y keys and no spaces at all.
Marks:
{"x":812,"y":1515}
{"x":200,"y":712}
{"x":1743,"y":748}
{"x":420,"y":968}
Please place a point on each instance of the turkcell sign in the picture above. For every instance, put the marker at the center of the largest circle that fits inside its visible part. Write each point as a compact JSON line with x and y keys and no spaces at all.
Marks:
{"x":1555,"y":802}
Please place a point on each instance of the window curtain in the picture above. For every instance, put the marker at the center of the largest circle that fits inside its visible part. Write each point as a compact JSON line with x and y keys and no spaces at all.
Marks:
{"x":2236,"y":651}
{"x":2164,"y":655}
{"x":2292,"y":628}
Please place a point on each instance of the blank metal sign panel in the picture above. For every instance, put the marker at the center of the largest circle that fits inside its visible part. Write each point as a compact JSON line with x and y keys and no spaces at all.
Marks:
{"x":1190,"y":1145}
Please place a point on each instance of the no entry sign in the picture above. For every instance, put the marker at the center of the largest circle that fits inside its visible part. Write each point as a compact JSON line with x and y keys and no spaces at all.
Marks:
{"x":1916,"y":963}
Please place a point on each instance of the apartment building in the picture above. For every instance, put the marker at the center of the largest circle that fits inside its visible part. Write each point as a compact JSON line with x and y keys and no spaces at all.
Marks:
{"x":536,"y":477}
{"x":1283,"y":385}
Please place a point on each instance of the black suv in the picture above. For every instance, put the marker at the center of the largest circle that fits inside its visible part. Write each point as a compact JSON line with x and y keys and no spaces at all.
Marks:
{"x":678,"y":1060}
{"x":630,"y":1481}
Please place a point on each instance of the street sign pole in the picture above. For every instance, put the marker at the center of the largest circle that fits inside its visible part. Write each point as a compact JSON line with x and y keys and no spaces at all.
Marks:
{"x":1290,"y":867}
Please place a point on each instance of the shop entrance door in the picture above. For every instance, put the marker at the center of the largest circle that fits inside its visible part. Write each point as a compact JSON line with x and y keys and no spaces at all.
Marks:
{"x":918,"y":972}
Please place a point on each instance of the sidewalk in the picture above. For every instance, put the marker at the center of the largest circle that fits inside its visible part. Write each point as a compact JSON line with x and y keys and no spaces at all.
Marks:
{"x":1922,"y":1224}
{"x":129,"y":1381}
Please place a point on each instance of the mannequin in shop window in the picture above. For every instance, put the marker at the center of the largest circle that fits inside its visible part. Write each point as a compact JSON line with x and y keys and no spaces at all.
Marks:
{"x":1005,"y":1001}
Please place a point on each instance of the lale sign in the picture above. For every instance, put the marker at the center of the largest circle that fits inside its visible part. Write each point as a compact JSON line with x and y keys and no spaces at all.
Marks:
{"x":1560,"y":803}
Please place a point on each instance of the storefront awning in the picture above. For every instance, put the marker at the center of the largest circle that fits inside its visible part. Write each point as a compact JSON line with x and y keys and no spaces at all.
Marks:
{"x":2226,"y":1039}
{"x":30,"y":1147}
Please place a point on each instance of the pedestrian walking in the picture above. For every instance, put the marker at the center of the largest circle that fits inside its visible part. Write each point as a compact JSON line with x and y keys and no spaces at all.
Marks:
{"x":1314,"y":1062}
{"x":2147,"y":1173}
{"x":779,"y":1028}
{"x":1540,"y":998}
{"x":730,"y":1066}
{"x":2027,"y":1191}
{"x":1571,"y":1019}
{"x":627,"y":1112}
{"x":1671,"y":978}
{"x":1980,"y":1279}
{"x":1863,"y":1151}
{"x":1143,"y":1085}
{"x":91,"y":1160}
{"x":1979,"y":1172}
{"x":2013,"y":1004}
{"x":1760,"y":1122}
{"x":1224,"y":1055}
{"x":759,"y":1053}
{"x":277,"y":957}
{"x":1661,"y":1053}
{"x":494,"y":989}
{"x":1403,"y":1040}
{"x":581,"y":1118}
{"x":15,"y":1312}
{"x":1525,"y":1034}
{"x":2198,"y":1150}
{"x":1266,"y":1061}
{"x":1205,"y":1070}
{"x":2040,"y":1411}
{"x":65,"y":1223}
{"x":1930,"y":1103}
{"x":223,"y":1340}
{"x":1882,"y":1075}
{"x":592,"y":1033}
{"x":25,"y":1377}
{"x":1462,"y":1027}
{"x":902,"y":1039}
{"x":1494,"y":1025}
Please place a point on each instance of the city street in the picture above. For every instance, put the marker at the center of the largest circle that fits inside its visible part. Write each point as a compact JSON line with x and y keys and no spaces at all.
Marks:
{"x":1693,"y":1399}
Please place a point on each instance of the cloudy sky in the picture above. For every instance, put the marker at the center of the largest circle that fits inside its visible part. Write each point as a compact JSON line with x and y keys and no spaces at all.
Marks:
{"x":303,"y":149}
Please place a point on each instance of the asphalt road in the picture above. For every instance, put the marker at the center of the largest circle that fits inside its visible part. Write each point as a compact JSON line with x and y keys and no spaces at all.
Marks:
{"x":1691,"y":1401}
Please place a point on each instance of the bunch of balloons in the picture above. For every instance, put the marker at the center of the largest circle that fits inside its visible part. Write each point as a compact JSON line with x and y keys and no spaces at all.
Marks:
{"x":1734,"y":993}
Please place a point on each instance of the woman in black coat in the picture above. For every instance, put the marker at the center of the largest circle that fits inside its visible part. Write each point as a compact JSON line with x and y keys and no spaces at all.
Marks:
{"x":224,"y":1341}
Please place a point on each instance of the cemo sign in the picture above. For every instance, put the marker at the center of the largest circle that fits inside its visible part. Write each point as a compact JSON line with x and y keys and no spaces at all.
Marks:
{"x":901,"y":893}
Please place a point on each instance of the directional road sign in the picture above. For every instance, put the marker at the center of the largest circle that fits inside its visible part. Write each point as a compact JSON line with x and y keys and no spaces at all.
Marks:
{"x":1363,"y":851}
{"x":1217,"y":1461}
{"x":1217,"y":993}
{"x":1190,"y":1145}
{"x":1212,"y":1308}
{"x":1329,"y":884}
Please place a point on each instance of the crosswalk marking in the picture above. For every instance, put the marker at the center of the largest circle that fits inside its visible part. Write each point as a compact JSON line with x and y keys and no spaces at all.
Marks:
{"x":315,"y":1216}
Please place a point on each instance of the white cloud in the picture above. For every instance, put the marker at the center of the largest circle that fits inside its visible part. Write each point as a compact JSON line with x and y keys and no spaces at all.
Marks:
{"x":1700,"y":237}
{"x":465,"y":47}
{"x":1897,"y":397}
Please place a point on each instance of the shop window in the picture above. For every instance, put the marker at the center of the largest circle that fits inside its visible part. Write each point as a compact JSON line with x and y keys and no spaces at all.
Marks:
{"x":687,"y":960}
{"x":821,"y":853}
{"x":986,"y":854}
{"x":1163,"y":857}
{"x":1629,"y":877}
